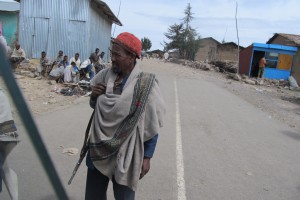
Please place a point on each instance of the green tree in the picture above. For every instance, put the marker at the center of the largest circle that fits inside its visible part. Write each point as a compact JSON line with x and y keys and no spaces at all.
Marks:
{"x":183,"y":37}
{"x":176,"y":37}
{"x":146,"y":44}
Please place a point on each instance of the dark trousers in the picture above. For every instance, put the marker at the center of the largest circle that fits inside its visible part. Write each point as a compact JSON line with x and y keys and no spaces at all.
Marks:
{"x":96,"y":187}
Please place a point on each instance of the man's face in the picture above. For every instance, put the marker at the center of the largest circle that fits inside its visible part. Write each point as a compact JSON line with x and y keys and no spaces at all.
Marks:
{"x":76,"y":56}
{"x":17,"y":47}
{"x":60,"y":53}
{"x":97,"y":51}
{"x":120,"y":59}
{"x":65,"y":58}
{"x":43,"y":54}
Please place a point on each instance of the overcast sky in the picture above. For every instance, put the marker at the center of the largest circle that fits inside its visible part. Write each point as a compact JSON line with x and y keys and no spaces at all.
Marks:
{"x":258,"y":20}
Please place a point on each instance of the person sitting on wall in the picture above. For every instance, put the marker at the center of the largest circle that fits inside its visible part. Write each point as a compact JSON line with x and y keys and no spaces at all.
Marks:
{"x":18,"y":54}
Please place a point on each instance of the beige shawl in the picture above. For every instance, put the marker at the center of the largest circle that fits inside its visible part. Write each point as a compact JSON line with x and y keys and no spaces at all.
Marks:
{"x":110,"y":111}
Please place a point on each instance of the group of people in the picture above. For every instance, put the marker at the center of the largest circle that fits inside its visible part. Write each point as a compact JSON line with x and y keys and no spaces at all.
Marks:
{"x":70,"y":71}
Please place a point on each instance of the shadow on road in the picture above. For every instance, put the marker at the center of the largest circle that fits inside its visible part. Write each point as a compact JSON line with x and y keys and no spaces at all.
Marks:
{"x":294,"y":135}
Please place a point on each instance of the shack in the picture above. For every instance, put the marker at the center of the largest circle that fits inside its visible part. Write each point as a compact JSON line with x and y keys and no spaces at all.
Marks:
{"x":9,"y":14}
{"x":70,"y":25}
{"x":279,"y":60}
{"x":289,"y":40}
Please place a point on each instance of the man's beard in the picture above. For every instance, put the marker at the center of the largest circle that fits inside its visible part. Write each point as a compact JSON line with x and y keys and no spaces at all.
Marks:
{"x":116,"y":69}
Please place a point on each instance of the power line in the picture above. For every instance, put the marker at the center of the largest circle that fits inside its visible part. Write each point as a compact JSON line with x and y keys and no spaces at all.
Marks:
{"x":117,"y":17}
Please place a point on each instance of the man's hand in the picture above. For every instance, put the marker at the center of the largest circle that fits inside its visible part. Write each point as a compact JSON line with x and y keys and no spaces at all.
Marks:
{"x":98,"y":90}
{"x":145,"y":167}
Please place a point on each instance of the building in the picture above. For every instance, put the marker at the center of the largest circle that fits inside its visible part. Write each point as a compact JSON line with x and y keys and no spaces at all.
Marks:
{"x":279,"y":60}
{"x":9,"y":14}
{"x":212,"y":50}
{"x":207,"y":50}
{"x":289,"y":40}
{"x":69,"y":25}
{"x":228,"y":51}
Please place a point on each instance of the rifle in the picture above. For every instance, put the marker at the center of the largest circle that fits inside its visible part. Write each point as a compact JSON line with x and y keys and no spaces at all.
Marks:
{"x":84,"y":149}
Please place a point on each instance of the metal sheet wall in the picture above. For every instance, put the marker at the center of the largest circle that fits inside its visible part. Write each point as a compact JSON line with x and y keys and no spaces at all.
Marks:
{"x":73,"y":26}
{"x":57,"y":9}
{"x":99,"y":32}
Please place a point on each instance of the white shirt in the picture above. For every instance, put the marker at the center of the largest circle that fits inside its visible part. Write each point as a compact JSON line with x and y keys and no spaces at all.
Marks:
{"x":85,"y":63}
{"x":77,"y":62}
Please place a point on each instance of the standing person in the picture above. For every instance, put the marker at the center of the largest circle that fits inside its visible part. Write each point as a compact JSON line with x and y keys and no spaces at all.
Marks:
{"x":44,"y":63}
{"x":76,"y":60}
{"x":261,"y":67}
{"x":166,"y":56}
{"x":128,"y":112}
{"x":8,"y":140}
{"x":18,"y":54}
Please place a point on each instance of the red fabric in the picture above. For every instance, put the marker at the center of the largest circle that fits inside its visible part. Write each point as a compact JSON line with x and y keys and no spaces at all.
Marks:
{"x":131,"y":42}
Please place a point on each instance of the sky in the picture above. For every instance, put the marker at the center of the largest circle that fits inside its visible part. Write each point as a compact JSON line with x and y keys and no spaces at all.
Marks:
{"x":257,"y":20}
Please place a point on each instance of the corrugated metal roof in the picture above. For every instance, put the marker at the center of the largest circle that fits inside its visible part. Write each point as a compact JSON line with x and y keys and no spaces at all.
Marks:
{"x":9,"y":6}
{"x":107,"y":11}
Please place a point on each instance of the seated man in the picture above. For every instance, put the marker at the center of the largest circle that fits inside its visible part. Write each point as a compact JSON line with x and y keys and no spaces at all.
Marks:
{"x":96,"y":53}
{"x":18,"y":55}
{"x":44,"y":64}
{"x":70,"y":73}
{"x":99,"y":64}
{"x":76,"y":60}
{"x":57,"y":74}
{"x":58,"y":59}
{"x":64,"y":62}
{"x":86,"y":67}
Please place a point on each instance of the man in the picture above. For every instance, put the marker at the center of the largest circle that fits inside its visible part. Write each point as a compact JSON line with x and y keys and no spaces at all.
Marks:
{"x":99,"y":63}
{"x":76,"y":60}
{"x":86,"y":67}
{"x":261,"y":67}
{"x":96,"y":53}
{"x":58,"y":59}
{"x":64,"y":62}
{"x":18,"y":54}
{"x":8,"y":140}
{"x":128,"y":112}
{"x":166,"y":56}
{"x":44,"y":64}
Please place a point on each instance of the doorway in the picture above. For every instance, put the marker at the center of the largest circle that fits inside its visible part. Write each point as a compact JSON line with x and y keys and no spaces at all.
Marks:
{"x":257,"y":55}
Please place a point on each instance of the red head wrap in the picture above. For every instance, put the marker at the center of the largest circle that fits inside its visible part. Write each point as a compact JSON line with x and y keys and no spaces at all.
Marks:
{"x":130,"y":42}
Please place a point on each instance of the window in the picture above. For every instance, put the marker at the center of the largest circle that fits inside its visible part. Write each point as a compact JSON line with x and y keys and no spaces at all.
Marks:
{"x":272,"y":59}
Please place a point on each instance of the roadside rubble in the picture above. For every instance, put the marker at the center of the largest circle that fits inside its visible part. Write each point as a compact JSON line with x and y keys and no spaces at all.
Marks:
{"x":43,"y":95}
{"x":230,"y":70}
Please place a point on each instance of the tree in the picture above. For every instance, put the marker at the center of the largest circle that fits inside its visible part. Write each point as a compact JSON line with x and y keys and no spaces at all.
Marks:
{"x":146,"y":44}
{"x":176,"y":37}
{"x":183,"y":37}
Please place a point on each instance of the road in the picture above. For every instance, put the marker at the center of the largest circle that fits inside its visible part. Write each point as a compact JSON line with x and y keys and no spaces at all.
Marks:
{"x":214,"y":145}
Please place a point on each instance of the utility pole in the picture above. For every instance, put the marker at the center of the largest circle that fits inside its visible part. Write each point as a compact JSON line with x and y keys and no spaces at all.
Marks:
{"x":237,"y":34}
